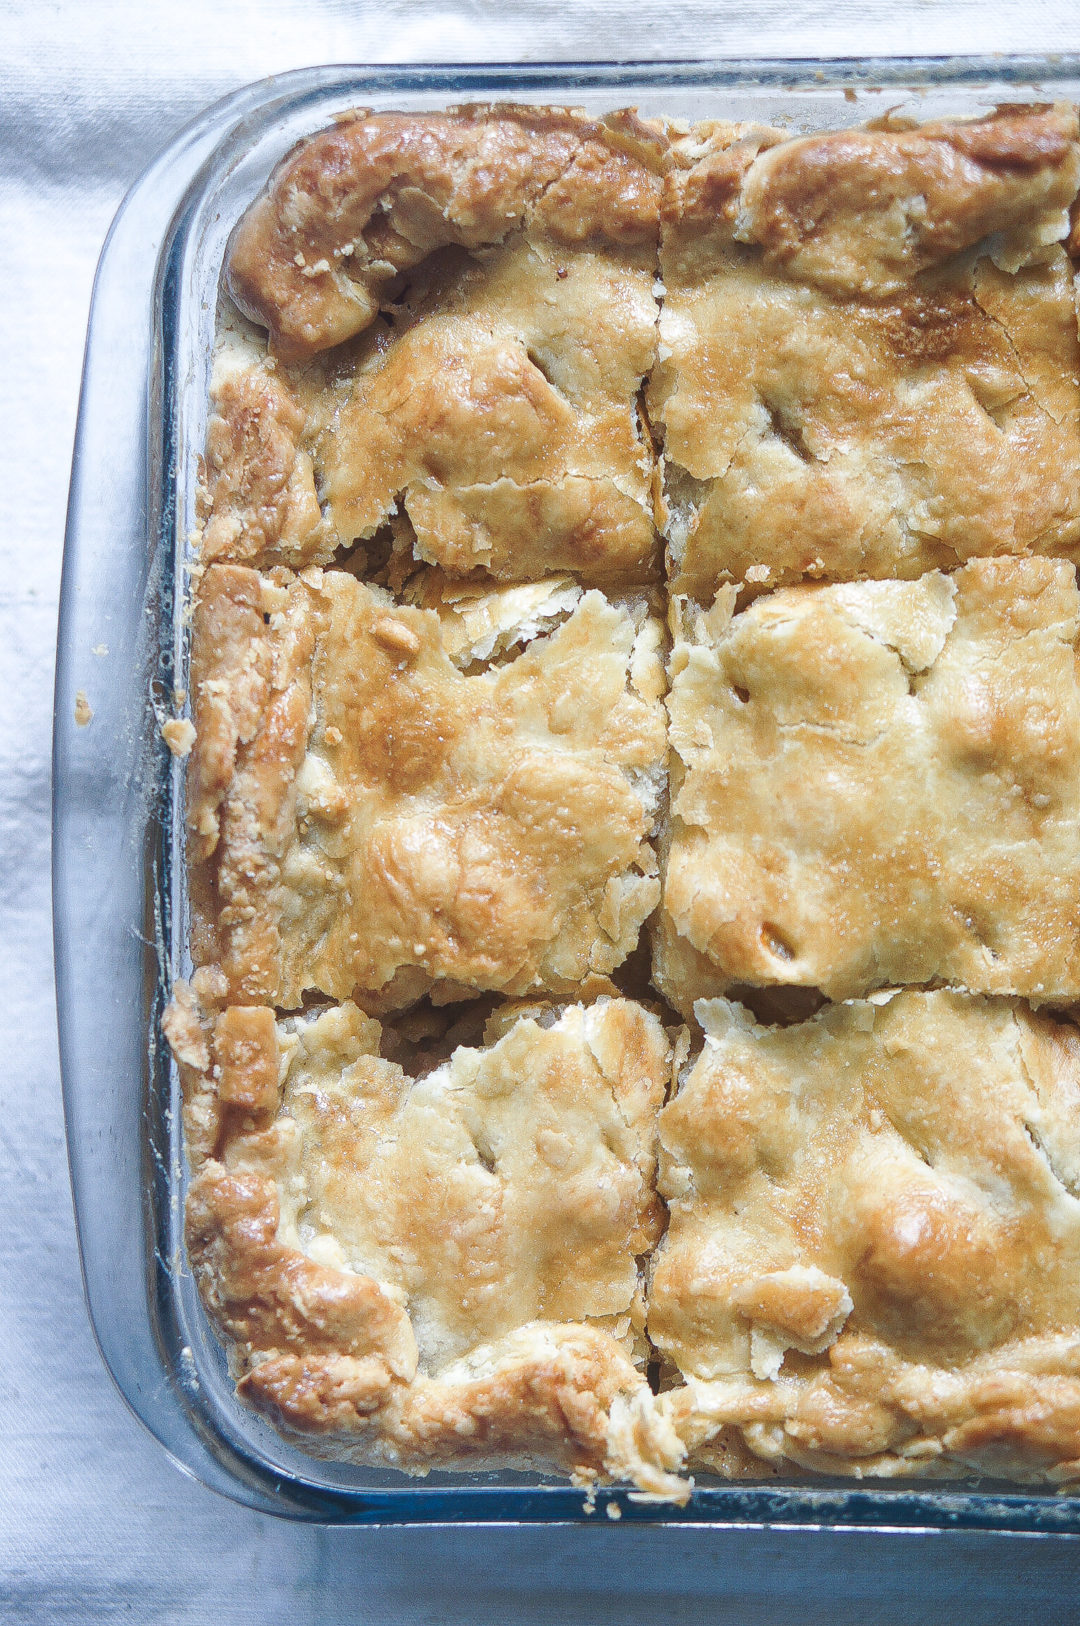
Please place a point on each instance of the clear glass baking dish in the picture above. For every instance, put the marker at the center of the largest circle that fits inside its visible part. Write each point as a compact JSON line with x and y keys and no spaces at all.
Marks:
{"x":119,"y":882}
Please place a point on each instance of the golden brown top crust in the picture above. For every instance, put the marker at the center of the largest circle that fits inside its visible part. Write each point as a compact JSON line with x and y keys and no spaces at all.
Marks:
{"x":877,"y":783}
{"x":512,"y":1184}
{"x":856,"y":380}
{"x":347,"y":1223}
{"x":270,"y":1297}
{"x":546,"y":1397}
{"x":863,"y":211}
{"x":874,"y":1246}
{"x":501,"y":417}
{"x":807,"y":437}
{"x":869,"y":353}
{"x":828,"y":428}
{"x":359,"y":203}
{"x":494,"y":426}
{"x":359,"y":808}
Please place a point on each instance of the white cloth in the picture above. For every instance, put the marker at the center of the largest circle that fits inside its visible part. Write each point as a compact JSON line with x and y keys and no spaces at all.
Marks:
{"x":95,"y":1523}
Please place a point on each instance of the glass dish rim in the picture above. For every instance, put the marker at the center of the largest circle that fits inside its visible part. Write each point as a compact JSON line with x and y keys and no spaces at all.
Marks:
{"x":817,"y":1504}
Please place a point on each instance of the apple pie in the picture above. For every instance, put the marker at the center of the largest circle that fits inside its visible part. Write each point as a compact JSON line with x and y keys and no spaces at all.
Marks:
{"x":634,"y":812}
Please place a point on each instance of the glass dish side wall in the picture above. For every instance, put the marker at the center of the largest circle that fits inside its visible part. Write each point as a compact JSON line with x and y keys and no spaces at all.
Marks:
{"x":120,"y":901}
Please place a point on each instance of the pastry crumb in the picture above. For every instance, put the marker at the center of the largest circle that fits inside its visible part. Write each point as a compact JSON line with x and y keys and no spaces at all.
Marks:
{"x":179,"y":735}
{"x":396,"y":635}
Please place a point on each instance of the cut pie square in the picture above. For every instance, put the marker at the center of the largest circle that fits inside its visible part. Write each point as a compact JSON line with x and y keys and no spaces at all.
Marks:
{"x":416,"y":1271}
{"x":495,"y":271}
{"x":365,"y":816}
{"x":873,"y":1257}
{"x":869,"y":356}
{"x":877,"y":783}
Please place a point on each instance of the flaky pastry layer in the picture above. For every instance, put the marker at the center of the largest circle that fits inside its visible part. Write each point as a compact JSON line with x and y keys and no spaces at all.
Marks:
{"x":873,"y":1257}
{"x":870,"y":362}
{"x":366,"y":817}
{"x":421,"y":1270}
{"x":501,"y":265}
{"x":877,"y":783}
{"x":867,"y":362}
{"x":357,"y":205}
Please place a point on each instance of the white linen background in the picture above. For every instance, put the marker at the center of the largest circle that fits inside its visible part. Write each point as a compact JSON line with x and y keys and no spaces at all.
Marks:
{"x":95,"y":1523}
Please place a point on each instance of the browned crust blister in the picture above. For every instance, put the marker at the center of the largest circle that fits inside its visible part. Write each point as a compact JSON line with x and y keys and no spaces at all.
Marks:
{"x":542,"y":399}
